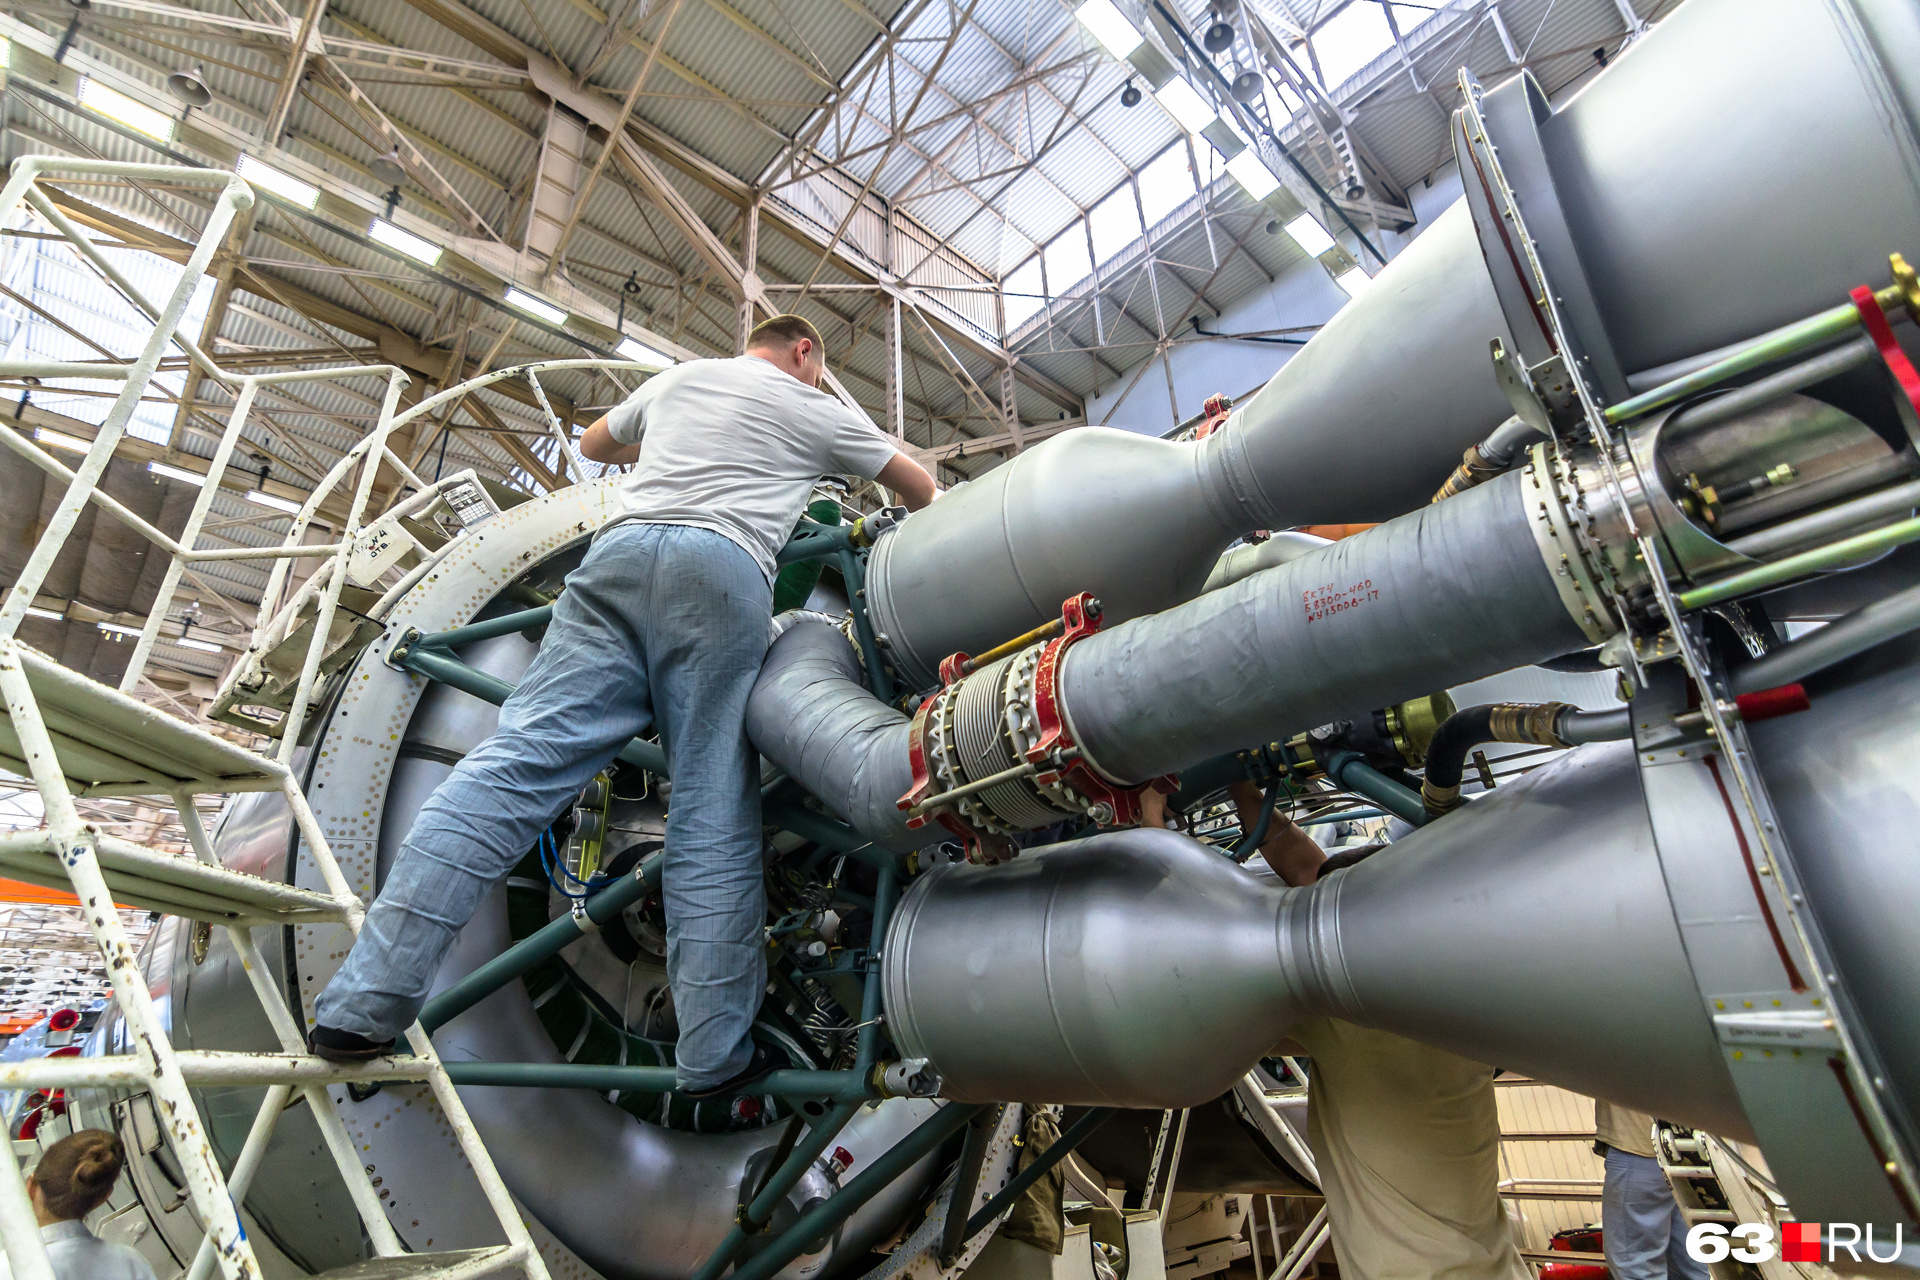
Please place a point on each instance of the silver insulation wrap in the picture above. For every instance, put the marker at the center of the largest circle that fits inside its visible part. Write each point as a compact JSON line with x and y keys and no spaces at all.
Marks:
{"x":1452,"y":592}
{"x":1143,"y":969}
{"x":812,"y":714}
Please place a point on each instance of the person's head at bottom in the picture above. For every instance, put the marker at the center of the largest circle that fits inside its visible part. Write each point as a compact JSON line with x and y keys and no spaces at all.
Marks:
{"x":75,"y":1176}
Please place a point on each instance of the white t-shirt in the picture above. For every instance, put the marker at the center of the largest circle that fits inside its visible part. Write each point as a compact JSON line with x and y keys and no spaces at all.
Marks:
{"x":77,"y":1254}
{"x":736,"y":446}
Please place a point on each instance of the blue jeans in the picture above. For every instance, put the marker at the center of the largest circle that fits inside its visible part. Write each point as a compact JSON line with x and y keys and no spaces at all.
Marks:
{"x":1641,"y":1228}
{"x":660,"y":625}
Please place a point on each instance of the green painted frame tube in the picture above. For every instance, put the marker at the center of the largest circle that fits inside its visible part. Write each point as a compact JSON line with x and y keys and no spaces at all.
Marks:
{"x":435,"y":663}
{"x":855,"y":577}
{"x":829,"y":834}
{"x":820,"y":1220}
{"x":1832,"y":556}
{"x":1816,"y":329}
{"x":504,"y":625}
{"x":886,"y":892}
{"x":1076,"y":1133}
{"x":816,"y":541}
{"x":550,"y":941}
{"x":837,"y":1086}
{"x":754,"y":1218}
{"x":1361,"y":778}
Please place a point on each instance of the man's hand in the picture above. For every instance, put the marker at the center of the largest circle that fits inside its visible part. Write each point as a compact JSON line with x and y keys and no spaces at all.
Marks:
{"x":903,"y":475}
{"x":598,"y":445}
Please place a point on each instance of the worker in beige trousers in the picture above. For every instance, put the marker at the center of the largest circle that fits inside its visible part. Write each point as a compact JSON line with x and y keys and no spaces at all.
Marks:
{"x":1406,"y":1136}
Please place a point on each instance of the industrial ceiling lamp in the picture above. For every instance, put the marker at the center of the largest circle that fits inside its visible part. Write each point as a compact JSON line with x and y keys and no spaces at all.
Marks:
{"x":388,"y":169}
{"x":190,"y":87}
{"x":1219,"y":36}
{"x":1246,"y":85}
{"x":1130,"y":96}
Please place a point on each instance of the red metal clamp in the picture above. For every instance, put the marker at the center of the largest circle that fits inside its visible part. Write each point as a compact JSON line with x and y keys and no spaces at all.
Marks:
{"x":1108,"y":803}
{"x":1900,"y":369}
{"x":1216,"y":408}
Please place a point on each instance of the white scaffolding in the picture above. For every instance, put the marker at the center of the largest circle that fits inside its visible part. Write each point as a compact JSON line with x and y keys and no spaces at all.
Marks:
{"x":74,"y":737}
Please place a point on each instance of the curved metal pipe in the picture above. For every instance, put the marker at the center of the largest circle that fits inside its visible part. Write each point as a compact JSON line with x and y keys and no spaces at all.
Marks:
{"x":812,"y":714}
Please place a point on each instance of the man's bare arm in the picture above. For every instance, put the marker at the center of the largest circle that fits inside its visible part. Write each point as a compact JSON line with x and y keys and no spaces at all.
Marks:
{"x":908,"y":479}
{"x":598,"y":445}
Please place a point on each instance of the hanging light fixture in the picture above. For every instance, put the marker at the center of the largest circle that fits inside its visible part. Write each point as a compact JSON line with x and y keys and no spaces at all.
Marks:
{"x":1246,"y":86}
{"x":1219,"y":37}
{"x":1130,"y":96}
{"x":388,"y":169}
{"x":190,"y":87}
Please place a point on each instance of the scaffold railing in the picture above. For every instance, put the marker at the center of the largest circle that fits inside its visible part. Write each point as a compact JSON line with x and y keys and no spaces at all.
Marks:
{"x":75,"y":737}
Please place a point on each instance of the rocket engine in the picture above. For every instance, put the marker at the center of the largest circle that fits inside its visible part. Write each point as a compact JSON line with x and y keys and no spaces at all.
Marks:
{"x":1676,"y":366}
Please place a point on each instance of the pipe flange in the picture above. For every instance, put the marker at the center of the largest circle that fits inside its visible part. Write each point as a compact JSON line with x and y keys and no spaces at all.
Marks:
{"x":1025,"y":731}
{"x":1561,"y":534}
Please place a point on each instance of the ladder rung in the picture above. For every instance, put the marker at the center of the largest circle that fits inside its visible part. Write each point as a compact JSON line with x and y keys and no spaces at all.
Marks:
{"x":109,"y":743}
{"x":179,"y":886}
{"x":209,"y":1067}
{"x":458,"y":1264}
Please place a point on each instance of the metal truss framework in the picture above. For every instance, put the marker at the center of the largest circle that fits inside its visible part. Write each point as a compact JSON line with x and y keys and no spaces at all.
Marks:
{"x":640,"y":159}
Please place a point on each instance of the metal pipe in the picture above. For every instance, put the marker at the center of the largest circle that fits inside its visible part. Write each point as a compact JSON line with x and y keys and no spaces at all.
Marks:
{"x":437,"y":664}
{"x":966,"y":1180}
{"x":1865,"y":627}
{"x":1832,"y":323}
{"x":1354,"y":774}
{"x":838,"y":1086}
{"x":1448,"y":593}
{"x":1835,"y":555}
{"x":1063,"y":1146}
{"x":1045,"y":631}
{"x":877,"y":678}
{"x":548,"y":942}
{"x":886,"y":892}
{"x":822,"y":1218}
{"x":812,"y":714}
{"x":1256,"y":837}
{"x":829,"y":834}
{"x":1813,"y":493}
{"x":1833,"y":520}
{"x":753,"y":1219}
{"x":1755,"y":395}
{"x":504,"y":625}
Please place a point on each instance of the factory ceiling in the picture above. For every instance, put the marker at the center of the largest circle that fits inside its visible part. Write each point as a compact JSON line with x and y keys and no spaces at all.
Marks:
{"x":959,"y":182}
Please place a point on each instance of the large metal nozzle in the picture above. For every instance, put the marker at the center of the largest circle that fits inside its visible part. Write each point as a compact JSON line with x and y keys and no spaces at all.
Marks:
{"x":1533,"y":930}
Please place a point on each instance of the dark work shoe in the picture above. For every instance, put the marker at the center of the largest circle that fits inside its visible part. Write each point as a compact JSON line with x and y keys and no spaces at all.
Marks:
{"x":761,"y":1065}
{"x":345,"y":1046}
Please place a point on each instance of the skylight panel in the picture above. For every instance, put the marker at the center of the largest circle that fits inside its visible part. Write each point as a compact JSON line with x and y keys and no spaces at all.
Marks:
{"x":1166,"y":183}
{"x":1022,"y":292}
{"x":1068,"y":262}
{"x":1349,"y":40}
{"x":1115,"y":223}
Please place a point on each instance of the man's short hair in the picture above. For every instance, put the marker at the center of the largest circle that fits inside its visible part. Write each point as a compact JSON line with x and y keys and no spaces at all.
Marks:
{"x":784,"y":331}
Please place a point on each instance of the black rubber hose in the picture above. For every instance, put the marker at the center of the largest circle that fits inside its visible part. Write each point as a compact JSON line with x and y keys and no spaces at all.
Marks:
{"x":1459,"y":734}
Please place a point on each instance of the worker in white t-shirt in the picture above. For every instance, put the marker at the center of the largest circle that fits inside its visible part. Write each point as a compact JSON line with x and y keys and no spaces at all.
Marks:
{"x":74,"y":1177}
{"x":663,"y":626}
